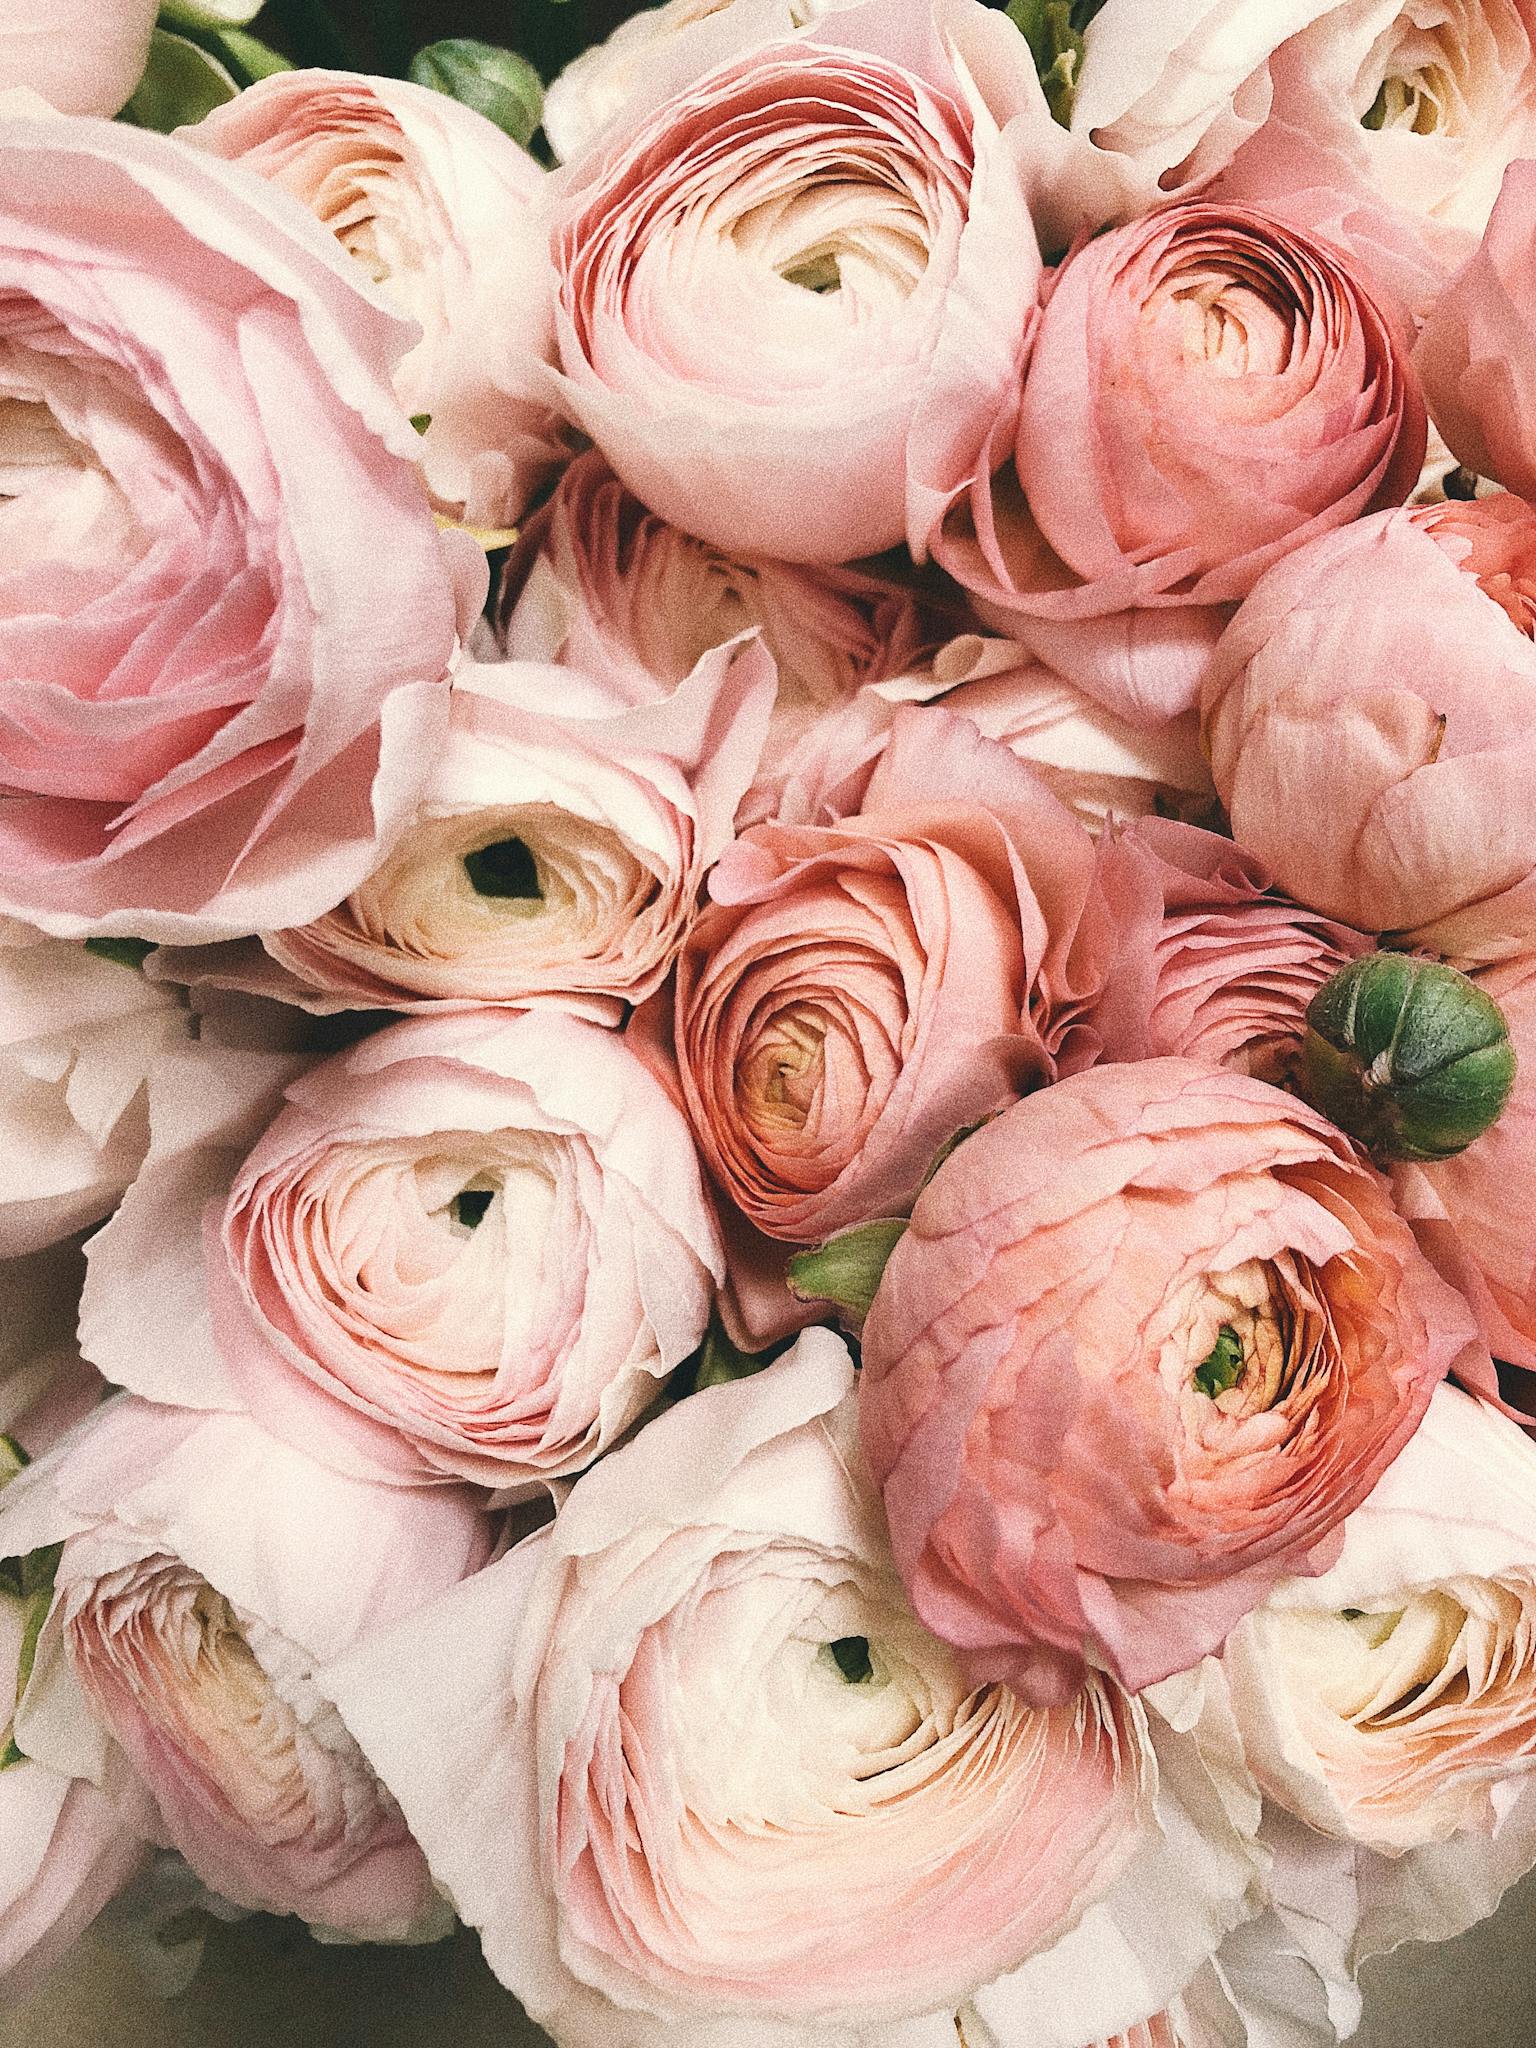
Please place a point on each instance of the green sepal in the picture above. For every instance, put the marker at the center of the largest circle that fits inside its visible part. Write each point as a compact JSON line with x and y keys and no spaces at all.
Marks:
{"x":181,"y":84}
{"x":497,"y":83}
{"x":846,"y":1272}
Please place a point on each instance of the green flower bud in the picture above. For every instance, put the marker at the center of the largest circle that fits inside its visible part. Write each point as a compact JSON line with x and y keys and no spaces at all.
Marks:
{"x":497,"y":83}
{"x":1408,"y":1056}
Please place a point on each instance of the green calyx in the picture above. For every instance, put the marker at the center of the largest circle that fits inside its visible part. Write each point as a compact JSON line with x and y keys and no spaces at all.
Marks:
{"x":846,"y":1272}
{"x":1054,"y":30}
{"x":1409,"y":1057}
{"x":1222,"y":1366}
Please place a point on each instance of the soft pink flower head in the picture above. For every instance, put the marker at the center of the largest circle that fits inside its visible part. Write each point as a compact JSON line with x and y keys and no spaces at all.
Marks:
{"x":1209,"y":387}
{"x":856,"y":993}
{"x":444,"y":214}
{"x":83,"y":56}
{"x":1463,"y":1213}
{"x":1211,"y":961}
{"x":1368,"y":720}
{"x":557,"y":857}
{"x":1149,"y":1338}
{"x":1478,"y":347}
{"x":793,"y":291}
{"x":676,"y":1724}
{"x":473,"y":1246}
{"x":208,"y":1573}
{"x":222,"y":661}
{"x":601,"y":585}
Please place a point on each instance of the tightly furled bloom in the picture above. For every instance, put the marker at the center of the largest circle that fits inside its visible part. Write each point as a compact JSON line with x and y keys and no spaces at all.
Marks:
{"x":1477,"y":347}
{"x":1417,"y":106}
{"x":1461,"y":1208}
{"x":1208,"y":389}
{"x":189,"y":1609}
{"x":444,"y":214}
{"x":793,"y":294}
{"x":697,"y":1708}
{"x":1382,"y":687}
{"x":557,"y":857}
{"x":473,"y":1246}
{"x":222,"y":663}
{"x":602,"y":586}
{"x":1150,"y":1337}
{"x":78,"y":1037}
{"x":1211,"y":962}
{"x":855,"y":994}
{"x":83,"y":56}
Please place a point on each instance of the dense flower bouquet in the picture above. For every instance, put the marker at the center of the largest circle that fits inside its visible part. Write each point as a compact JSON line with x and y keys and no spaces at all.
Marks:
{"x":768,"y":1005}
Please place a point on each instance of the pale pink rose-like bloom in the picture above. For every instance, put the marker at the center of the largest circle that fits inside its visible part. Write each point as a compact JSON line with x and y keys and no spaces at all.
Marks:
{"x":1417,"y":108}
{"x":1368,"y":716}
{"x":667,"y":1729}
{"x":78,"y":1038}
{"x":1391,"y":1704}
{"x":601,"y":585}
{"x":854,"y":994}
{"x":1462,"y":1212}
{"x":1211,"y":961}
{"x":557,"y":858}
{"x":444,"y":214}
{"x":596,"y":86}
{"x":208,"y":1572}
{"x":794,"y":290}
{"x":82,"y":56}
{"x":472,"y":1246}
{"x":1099,"y":765}
{"x":1476,"y":349}
{"x":224,"y":662}
{"x":1208,"y":389}
{"x":1150,"y":1337}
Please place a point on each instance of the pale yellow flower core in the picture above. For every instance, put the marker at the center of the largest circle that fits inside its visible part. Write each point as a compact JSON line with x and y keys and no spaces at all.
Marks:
{"x":1421,"y":87}
{"x":783,"y":1071}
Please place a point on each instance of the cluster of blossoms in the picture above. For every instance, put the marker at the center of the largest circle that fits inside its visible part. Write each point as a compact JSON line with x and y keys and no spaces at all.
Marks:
{"x":768,"y":1012}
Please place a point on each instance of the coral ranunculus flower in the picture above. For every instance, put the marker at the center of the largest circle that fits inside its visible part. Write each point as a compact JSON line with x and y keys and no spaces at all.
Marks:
{"x":1150,"y":1337}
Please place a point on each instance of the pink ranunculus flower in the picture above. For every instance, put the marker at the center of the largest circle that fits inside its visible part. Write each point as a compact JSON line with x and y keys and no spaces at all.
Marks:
{"x":473,"y":1246}
{"x":1100,"y":766}
{"x":1211,"y":961}
{"x":1208,"y":389}
{"x":1381,"y":687}
{"x":1391,"y":1704}
{"x":1150,"y":1337}
{"x":223,"y":661}
{"x":1462,"y":1212}
{"x":207,"y":1574}
{"x":1475,"y":353}
{"x":78,"y":1038}
{"x":1419,"y":108}
{"x":596,"y":87}
{"x":601,"y":585}
{"x":854,"y":994}
{"x":557,"y":858}
{"x":674,"y":1725}
{"x":445,"y":214}
{"x":794,"y":292}
{"x":82,"y":56}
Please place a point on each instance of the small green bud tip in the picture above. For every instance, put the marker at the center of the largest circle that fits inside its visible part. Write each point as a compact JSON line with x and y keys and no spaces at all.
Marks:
{"x":1409,"y":1057}
{"x":497,"y":83}
{"x":847,"y":1272}
{"x":1222,"y":1367}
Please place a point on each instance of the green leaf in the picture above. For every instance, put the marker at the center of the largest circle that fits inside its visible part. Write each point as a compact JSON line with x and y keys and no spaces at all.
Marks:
{"x":181,"y":84}
{"x":250,"y":58}
{"x":33,"y":1578}
{"x":497,"y":83}
{"x":126,"y":952}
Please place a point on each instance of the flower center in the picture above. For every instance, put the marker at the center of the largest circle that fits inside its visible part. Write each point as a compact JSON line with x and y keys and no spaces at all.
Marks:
{"x":784,"y":1069}
{"x":851,"y":1656}
{"x":505,"y":868}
